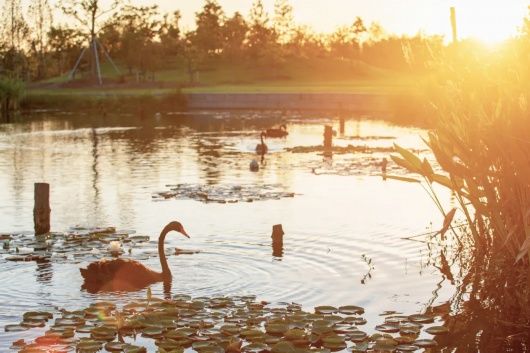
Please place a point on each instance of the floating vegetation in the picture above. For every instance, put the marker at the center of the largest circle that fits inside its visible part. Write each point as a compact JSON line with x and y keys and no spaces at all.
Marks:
{"x":80,"y":244}
{"x":226,"y":193}
{"x":341,"y":149}
{"x":212,"y":325}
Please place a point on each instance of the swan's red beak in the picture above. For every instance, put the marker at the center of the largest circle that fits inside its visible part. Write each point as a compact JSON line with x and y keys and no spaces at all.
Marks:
{"x":183,"y":232}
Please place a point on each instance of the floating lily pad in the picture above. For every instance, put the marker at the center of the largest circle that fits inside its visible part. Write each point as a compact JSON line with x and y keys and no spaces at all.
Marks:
{"x":115,"y":346}
{"x":419,"y":318}
{"x":15,"y":328}
{"x":407,"y":348}
{"x":437,"y":330}
{"x":325,"y":309}
{"x":351,"y":310}
{"x":256,"y":348}
{"x":224,"y":193}
{"x":425,"y":343}
{"x":358,"y":336}
{"x":334,"y":342}
{"x":388,"y":328}
{"x":276,"y":329}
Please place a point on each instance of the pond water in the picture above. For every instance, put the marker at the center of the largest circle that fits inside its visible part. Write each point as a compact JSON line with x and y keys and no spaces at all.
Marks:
{"x":108,"y":171}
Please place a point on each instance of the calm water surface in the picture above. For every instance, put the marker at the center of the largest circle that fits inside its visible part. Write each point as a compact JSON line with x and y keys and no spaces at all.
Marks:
{"x":104,"y":171}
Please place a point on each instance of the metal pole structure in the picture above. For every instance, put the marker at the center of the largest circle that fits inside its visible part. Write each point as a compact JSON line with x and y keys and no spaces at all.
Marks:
{"x":72,"y":73}
{"x":453,"y":24}
{"x":96,"y":57}
{"x":109,"y":58}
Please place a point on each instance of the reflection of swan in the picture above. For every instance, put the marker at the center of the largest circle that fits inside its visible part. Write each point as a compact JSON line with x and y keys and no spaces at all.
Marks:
{"x":277,"y":132}
{"x":261,"y":148}
{"x":125,"y":274}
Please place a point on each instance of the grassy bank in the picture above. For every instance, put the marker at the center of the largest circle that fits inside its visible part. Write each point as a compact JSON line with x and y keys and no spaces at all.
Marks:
{"x":131,"y":101}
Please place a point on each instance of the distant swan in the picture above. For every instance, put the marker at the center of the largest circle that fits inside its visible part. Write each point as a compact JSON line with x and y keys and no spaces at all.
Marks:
{"x":277,"y":132}
{"x":261,"y":148}
{"x":126,"y":274}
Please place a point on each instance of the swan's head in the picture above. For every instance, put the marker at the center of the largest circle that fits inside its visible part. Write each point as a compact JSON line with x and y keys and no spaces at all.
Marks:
{"x":115,"y":247}
{"x":177,"y":227}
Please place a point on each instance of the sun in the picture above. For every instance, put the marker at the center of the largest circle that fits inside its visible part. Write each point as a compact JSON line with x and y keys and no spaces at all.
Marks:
{"x":490,"y":21}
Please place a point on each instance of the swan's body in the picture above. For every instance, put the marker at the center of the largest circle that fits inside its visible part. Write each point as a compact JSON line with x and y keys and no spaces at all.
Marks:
{"x":277,"y":132}
{"x":254,"y":166}
{"x":261,"y":148}
{"x":128,"y":275}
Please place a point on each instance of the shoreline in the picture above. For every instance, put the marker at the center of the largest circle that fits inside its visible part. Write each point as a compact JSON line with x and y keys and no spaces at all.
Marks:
{"x":399,"y":106}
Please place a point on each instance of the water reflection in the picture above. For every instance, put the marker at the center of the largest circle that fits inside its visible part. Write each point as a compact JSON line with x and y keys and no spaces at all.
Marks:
{"x":104,"y":171}
{"x":44,"y":271}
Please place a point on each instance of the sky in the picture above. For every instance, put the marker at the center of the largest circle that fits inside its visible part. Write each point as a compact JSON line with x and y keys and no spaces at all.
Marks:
{"x":487,"y":20}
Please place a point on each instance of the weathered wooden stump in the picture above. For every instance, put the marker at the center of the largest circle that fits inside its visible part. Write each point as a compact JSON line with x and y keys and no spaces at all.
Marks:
{"x":384,"y":163}
{"x":328,"y":137}
{"x":41,"y":210}
{"x":277,"y":240}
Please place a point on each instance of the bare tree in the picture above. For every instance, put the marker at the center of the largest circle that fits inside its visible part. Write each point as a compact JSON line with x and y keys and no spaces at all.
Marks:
{"x":40,"y":15}
{"x":14,"y":26}
{"x":88,"y":13}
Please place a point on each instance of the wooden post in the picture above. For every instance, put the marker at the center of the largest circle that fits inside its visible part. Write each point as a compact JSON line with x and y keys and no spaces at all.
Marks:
{"x":453,"y":24}
{"x":41,"y":210}
{"x":328,"y":137}
{"x":341,"y":122}
{"x":277,"y":240}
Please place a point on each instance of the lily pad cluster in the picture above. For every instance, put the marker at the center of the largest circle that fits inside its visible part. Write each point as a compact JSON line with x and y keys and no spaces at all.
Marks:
{"x":77,"y":244}
{"x":237,"y":324}
{"x":224,"y":193}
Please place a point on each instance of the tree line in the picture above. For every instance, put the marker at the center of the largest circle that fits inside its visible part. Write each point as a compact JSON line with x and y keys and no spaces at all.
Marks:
{"x":143,"y":41}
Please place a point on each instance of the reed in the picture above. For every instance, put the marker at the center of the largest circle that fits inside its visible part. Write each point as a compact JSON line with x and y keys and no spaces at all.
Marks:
{"x":11,"y":92}
{"x":481,"y":141}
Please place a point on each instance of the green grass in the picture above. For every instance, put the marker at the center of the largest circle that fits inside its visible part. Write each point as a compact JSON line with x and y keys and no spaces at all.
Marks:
{"x":306,"y":76}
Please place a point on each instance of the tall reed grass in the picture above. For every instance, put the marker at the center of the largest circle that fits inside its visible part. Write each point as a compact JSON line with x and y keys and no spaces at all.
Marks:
{"x":481,"y":140}
{"x":11,"y":92}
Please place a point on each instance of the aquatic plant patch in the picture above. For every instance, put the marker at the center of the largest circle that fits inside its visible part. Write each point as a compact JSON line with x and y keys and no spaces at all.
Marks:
{"x":211,"y":325}
{"x":224,"y":193}
{"x":81,"y":244}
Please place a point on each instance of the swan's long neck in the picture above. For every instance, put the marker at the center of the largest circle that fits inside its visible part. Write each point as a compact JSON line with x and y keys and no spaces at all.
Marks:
{"x":262,"y":142}
{"x":166,"y":272}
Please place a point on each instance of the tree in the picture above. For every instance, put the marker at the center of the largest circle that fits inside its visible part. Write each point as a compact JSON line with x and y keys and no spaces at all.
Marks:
{"x":234,"y":33}
{"x":376,"y":32}
{"x":169,"y":34}
{"x":88,"y":13}
{"x":262,"y":42}
{"x":189,"y":52}
{"x":283,"y":20}
{"x":40,"y":15}
{"x":139,"y":26}
{"x":65,"y":44}
{"x":208,"y":34}
{"x":15,"y":28}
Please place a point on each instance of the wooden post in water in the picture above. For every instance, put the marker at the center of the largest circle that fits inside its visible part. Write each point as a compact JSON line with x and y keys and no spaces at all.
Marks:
{"x":41,"y":210}
{"x":341,"y":123}
{"x":452,"y":10}
{"x":328,"y":138}
{"x":277,"y":240}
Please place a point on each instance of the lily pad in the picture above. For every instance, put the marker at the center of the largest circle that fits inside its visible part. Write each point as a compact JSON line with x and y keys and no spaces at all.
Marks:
{"x":256,"y":348}
{"x":15,"y":328}
{"x":422,"y":319}
{"x":351,"y":310}
{"x":387,"y":328}
{"x":437,"y":330}
{"x":425,"y":343}
{"x":325,"y":309}
{"x":407,"y":348}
